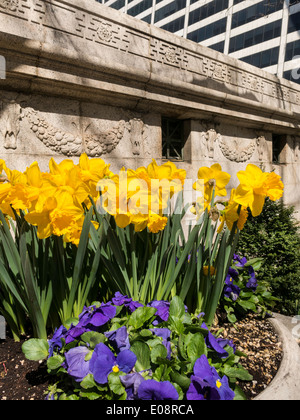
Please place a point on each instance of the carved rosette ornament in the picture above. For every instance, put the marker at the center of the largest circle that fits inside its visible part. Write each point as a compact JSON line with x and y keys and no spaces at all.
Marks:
{"x":237,"y":151}
{"x":11,"y":5}
{"x":104,"y":32}
{"x":171,"y":55}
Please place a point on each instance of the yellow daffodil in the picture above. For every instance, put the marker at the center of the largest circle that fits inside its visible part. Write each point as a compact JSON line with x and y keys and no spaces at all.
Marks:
{"x":213,"y":178}
{"x":92,"y":171}
{"x":42,"y":219}
{"x":65,"y":176}
{"x":142,"y":195}
{"x":58,"y":216}
{"x":166,"y":171}
{"x":156,"y":223}
{"x":255,"y":186}
{"x":233,"y":212}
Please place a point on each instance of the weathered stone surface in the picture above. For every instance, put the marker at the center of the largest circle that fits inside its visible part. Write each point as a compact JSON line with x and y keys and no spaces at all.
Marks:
{"x":82,"y":77}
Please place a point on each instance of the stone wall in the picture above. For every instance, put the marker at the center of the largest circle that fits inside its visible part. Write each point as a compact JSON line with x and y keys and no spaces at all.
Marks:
{"x":82,"y":77}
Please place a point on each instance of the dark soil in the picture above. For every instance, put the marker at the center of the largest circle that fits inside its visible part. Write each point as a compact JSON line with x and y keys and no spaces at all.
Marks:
{"x":21,"y":379}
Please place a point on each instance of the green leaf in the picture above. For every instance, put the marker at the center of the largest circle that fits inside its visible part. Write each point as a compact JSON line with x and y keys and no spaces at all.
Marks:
{"x":247,"y":305}
{"x":115,"y":384}
{"x":239,"y":394}
{"x":158,"y":352}
{"x":36,"y":349}
{"x":68,"y":323}
{"x":88,"y":382}
{"x":238,"y":373}
{"x":146,"y":333}
{"x":196,"y":347}
{"x":177,"y":308}
{"x":90,"y":395}
{"x":55,"y":362}
{"x":182,"y":380}
{"x":142,"y":352}
{"x":140,"y":316}
{"x":176,"y":324}
{"x":93,"y":338}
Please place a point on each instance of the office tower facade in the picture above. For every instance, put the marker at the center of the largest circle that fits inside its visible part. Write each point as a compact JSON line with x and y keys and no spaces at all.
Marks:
{"x":264,"y":33}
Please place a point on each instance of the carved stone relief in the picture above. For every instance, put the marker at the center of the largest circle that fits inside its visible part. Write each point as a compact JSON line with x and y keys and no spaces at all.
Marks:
{"x":137,"y":130}
{"x":87,"y":137}
{"x":208,"y":140}
{"x":262,"y":147}
{"x":94,"y":27}
{"x":11,"y":5}
{"x":73,"y":144}
{"x":104,"y":32}
{"x":11,"y":116}
{"x":237,"y":151}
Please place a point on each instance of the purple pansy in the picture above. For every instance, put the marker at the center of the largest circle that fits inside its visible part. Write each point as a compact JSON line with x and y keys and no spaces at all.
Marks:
{"x":231,"y":290}
{"x":206,"y":383}
{"x":120,"y":300}
{"x":76,"y":364}
{"x":132,"y":383}
{"x":91,"y":318}
{"x":240,"y":261}
{"x":233,"y":273}
{"x":103,"y":362}
{"x":162,"y":313}
{"x":217,"y":344}
{"x":252,"y":282}
{"x":159,"y":391}
{"x":119,"y":339}
{"x":55,"y":343}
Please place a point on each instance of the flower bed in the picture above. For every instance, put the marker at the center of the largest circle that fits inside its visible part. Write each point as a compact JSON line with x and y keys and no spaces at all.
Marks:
{"x":124,"y":350}
{"x":80,"y":235}
{"x":22,"y":379}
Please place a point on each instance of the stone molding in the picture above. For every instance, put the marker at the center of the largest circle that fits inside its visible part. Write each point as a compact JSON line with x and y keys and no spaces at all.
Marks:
{"x":106,"y":45}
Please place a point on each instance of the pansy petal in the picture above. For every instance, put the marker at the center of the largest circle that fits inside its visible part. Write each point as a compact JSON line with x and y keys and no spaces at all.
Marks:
{"x":153,"y":390}
{"x":77,"y":367}
{"x":126,"y":360}
{"x":101,"y":363}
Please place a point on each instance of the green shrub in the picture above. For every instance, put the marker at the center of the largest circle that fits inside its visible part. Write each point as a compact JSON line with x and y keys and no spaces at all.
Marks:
{"x":274,"y":236}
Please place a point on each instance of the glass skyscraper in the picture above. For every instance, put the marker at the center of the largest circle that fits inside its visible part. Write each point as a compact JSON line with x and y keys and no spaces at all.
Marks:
{"x":264,"y":33}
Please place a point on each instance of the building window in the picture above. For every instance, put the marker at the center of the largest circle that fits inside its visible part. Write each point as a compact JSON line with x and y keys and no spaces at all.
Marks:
{"x":209,"y":31}
{"x":294,"y":23}
{"x":257,"y":11}
{"x":278,"y":142}
{"x":174,"y":25}
{"x":256,"y":36}
{"x":169,"y":9}
{"x":292,"y":50}
{"x":263,"y":59}
{"x":118,"y":4}
{"x":207,"y":10}
{"x":140,"y":7}
{"x":175,"y":135}
{"x":218,"y":47}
